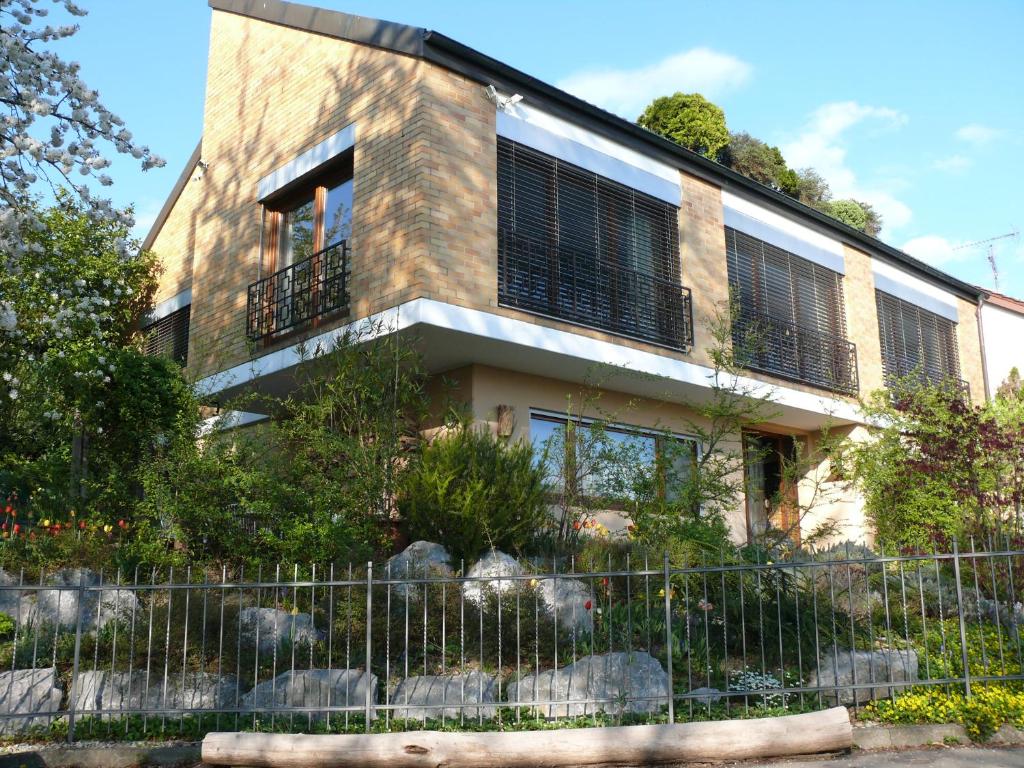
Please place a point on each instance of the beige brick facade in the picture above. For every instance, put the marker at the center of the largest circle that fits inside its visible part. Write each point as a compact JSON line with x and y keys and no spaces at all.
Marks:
{"x":424,"y":200}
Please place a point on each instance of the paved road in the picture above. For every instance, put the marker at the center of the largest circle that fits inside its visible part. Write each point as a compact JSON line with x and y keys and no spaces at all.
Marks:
{"x":956,"y":757}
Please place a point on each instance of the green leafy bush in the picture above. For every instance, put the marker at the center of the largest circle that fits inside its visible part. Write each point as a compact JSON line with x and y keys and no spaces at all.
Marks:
{"x":471,"y":491}
{"x":989,"y":707}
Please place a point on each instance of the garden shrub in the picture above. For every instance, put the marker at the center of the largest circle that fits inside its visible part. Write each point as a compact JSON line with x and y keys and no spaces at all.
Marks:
{"x":472,"y":491}
{"x":989,"y":707}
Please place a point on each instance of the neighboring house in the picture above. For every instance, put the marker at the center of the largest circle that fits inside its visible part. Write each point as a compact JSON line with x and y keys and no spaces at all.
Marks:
{"x":1002,"y":333}
{"x":352,"y":168}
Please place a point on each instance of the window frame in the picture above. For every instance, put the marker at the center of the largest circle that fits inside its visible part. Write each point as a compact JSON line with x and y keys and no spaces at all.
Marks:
{"x":930,"y":329}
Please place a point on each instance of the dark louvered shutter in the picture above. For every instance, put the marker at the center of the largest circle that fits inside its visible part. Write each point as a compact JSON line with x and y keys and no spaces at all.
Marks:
{"x":789,"y":316}
{"x":168,"y":336}
{"x":580,"y":247}
{"x":915,"y":341}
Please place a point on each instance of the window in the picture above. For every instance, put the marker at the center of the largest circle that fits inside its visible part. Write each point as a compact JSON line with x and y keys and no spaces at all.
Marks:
{"x":582,"y":248}
{"x":916,"y":341}
{"x":789,"y":315}
{"x":607,"y":463}
{"x":168,"y":336}
{"x":305,"y":255}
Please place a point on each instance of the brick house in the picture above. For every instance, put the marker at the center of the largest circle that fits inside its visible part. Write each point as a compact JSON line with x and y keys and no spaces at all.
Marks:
{"x":351,"y":169}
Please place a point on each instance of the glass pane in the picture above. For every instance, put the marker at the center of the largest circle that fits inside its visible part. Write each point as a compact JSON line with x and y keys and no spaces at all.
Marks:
{"x":549,"y":436}
{"x":296,"y":234}
{"x":338,"y":214}
{"x":680,"y":461}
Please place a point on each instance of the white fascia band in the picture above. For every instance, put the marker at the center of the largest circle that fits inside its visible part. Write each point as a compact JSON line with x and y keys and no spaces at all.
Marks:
{"x":507,"y":329}
{"x":914,"y":290}
{"x":782,"y":232}
{"x":167,"y":306}
{"x":308,"y":161}
{"x":556,"y":137}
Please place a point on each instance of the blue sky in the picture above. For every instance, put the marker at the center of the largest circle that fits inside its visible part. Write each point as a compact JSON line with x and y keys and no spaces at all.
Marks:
{"x":915,"y":107}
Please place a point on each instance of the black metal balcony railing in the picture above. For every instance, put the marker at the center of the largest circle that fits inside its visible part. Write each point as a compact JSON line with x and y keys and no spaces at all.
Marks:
{"x":789,"y":351}
{"x":902,"y":371}
{"x":576,"y":286}
{"x":299,"y":293}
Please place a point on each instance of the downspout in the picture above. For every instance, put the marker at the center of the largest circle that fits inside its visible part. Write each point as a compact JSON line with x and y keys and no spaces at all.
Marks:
{"x":981,"y":340}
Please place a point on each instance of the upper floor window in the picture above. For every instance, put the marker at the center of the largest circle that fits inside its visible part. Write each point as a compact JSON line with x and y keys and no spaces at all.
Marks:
{"x":168,"y":336}
{"x":305,"y":254}
{"x":583,"y":248}
{"x":789,"y":315}
{"x":915,"y":341}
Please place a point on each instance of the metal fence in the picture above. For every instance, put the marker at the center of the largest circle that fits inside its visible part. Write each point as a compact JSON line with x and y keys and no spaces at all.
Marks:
{"x":399,"y":646}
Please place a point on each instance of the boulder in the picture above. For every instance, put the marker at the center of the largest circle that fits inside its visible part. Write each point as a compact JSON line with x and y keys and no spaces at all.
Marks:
{"x":706,"y":696}
{"x":49,"y":607}
{"x":105,"y":690}
{"x":33,"y":693}
{"x":419,"y":559}
{"x":268,"y":628}
{"x":624,"y":682}
{"x":882,"y":667}
{"x":567,"y":599}
{"x":451,"y":697}
{"x":313,"y":688}
{"x":490,"y":568}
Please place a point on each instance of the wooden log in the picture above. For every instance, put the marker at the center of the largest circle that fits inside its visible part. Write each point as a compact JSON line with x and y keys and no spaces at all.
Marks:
{"x":825,"y":731}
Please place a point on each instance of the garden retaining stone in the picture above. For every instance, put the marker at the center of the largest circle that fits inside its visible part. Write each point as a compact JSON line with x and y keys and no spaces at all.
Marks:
{"x":890,"y":671}
{"x":314,"y":688}
{"x":419,"y":559}
{"x":32,"y":604}
{"x":274,"y":626}
{"x":34,"y":693}
{"x":437,"y":696}
{"x":104,"y":690}
{"x":630,"y":682}
{"x":492,"y":567}
{"x":567,"y":598}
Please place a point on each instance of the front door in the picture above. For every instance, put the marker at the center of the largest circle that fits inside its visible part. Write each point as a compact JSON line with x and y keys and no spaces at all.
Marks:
{"x":771,"y":495}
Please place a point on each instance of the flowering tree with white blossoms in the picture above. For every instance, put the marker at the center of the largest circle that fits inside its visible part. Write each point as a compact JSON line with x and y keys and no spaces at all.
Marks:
{"x":53,"y":129}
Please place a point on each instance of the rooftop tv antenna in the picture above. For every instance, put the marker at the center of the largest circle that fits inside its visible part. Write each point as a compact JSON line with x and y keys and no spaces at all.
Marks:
{"x":991,"y":251}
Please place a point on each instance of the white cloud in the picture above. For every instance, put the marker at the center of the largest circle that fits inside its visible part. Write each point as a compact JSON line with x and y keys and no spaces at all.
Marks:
{"x":934,"y":250}
{"x":978,"y":134}
{"x":627,"y":91}
{"x":953,"y":163}
{"x":822,"y":145}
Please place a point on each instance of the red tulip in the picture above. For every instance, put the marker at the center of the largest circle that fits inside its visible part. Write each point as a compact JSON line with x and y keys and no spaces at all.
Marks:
{"x":604,"y":582}
{"x":576,"y":525}
{"x":16,"y":528}
{"x":81,"y":525}
{"x":122,"y":524}
{"x":587,"y":605}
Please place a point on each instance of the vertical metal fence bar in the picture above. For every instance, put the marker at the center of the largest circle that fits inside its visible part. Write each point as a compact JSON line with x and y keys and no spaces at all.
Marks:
{"x":184,"y":650}
{"x":369,"y":642}
{"x":977,"y":607}
{"x":668,"y":641}
{"x":960,"y":616}
{"x":72,"y":704}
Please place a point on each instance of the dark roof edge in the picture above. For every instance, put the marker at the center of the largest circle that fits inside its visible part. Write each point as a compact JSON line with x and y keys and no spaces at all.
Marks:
{"x":172,"y":198}
{"x":389,"y":35}
{"x":452,"y":54}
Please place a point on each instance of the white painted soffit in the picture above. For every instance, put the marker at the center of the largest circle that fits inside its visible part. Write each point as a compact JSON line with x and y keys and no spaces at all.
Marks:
{"x":167,"y":306}
{"x":782,"y":232}
{"x":308,"y":161}
{"x":895,"y":282}
{"x":559,"y":138}
{"x":429,"y":312}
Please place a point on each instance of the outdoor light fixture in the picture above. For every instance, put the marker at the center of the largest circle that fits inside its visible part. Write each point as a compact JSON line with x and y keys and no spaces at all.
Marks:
{"x":504,"y":103}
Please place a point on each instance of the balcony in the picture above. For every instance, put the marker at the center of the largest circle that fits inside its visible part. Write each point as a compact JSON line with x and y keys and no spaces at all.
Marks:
{"x":300,"y":293}
{"x":577,"y":287}
{"x":789,"y":351}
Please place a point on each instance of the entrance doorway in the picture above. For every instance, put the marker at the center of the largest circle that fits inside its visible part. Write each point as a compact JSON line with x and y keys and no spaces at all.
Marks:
{"x":771,"y":497}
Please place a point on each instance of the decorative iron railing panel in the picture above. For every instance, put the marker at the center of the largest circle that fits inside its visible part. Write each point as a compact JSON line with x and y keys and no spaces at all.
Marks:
{"x":789,"y":351}
{"x":904,"y":370}
{"x":578,"y":287}
{"x":299,"y":293}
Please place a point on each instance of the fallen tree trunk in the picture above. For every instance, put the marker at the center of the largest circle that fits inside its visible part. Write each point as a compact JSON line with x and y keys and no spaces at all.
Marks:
{"x":825,"y":731}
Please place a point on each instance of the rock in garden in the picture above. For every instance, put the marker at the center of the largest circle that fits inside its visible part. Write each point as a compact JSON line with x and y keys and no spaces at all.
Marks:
{"x":848,"y":667}
{"x":437,"y":696}
{"x":489,"y":569}
{"x":566,"y":599}
{"x":705,"y":696}
{"x":268,"y":628}
{"x":105,"y":690}
{"x":419,"y":559}
{"x":314,"y":688}
{"x":34,"y":693}
{"x":101,"y":603}
{"x":621,"y":681}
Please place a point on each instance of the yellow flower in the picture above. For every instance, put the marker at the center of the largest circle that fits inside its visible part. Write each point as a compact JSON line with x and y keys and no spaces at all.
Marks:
{"x":533,"y":582}
{"x":108,"y":528}
{"x":46,"y":523}
{"x":295,"y":610}
{"x":661,"y":593}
